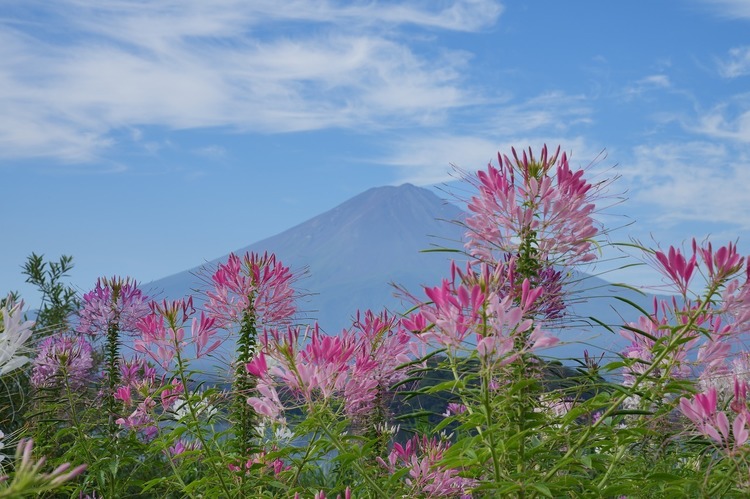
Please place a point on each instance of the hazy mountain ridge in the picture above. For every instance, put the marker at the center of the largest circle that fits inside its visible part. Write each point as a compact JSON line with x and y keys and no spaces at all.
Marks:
{"x":354,"y":251}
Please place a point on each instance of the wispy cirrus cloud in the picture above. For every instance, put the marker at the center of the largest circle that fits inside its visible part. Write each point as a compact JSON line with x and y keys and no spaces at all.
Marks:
{"x":734,"y":9}
{"x":551,"y":118}
{"x":736,"y":64}
{"x":429,"y":160}
{"x":695,"y":181}
{"x":726,"y":122}
{"x":68,"y":87}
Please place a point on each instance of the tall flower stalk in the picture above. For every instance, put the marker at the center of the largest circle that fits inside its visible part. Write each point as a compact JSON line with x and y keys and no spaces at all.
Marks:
{"x":249,"y":294}
{"x":112,"y":308}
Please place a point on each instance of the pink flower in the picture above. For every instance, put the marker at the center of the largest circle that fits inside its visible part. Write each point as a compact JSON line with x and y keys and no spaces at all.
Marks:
{"x":202,"y":330}
{"x":723,"y":263}
{"x":382,"y":346}
{"x":182,"y":446}
{"x":676,"y":267}
{"x":141,"y":419}
{"x":163,"y":333}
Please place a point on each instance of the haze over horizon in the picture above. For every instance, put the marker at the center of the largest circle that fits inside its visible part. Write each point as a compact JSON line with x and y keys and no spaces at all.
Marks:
{"x":144,"y":138}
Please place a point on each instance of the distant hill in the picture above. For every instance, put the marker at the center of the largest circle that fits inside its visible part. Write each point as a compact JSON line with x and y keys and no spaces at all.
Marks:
{"x":353,"y":252}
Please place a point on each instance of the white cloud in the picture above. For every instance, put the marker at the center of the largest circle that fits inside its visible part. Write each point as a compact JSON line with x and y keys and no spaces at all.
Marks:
{"x":68,"y":87}
{"x":737,"y":64}
{"x":647,"y":83}
{"x":428,"y":160}
{"x":690,"y":182}
{"x":717,"y":124}
{"x":735,"y":9}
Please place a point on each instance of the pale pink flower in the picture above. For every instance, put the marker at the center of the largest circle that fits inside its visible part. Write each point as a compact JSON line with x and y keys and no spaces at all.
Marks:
{"x":141,"y":419}
{"x":163,"y":332}
{"x":382,"y":346}
{"x":28,"y":472}
{"x":182,"y":445}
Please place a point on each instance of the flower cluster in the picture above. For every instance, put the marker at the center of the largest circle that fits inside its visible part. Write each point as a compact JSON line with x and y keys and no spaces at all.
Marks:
{"x":113,"y":301}
{"x":703,"y":412}
{"x":254,"y":282}
{"x":427,"y":477}
{"x":61,"y":359}
{"x":553,"y":209}
{"x":13,"y":337}
{"x":163,"y":332}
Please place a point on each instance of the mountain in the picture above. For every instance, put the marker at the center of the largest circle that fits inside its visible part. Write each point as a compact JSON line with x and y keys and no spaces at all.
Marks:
{"x":353,"y":252}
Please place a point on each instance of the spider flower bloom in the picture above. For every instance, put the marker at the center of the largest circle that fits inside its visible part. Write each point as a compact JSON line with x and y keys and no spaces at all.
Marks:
{"x":319,"y":371}
{"x":163,"y":331}
{"x":13,"y":336}
{"x":702,"y":411}
{"x":649,"y":333}
{"x":114,"y":301}
{"x":62,"y":356}
{"x":255,"y":283}
{"x":426,"y":477}
{"x":553,"y":209}
{"x":383,"y":345}
{"x":454,"y":312}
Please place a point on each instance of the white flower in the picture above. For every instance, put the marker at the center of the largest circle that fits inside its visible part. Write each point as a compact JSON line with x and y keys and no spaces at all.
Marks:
{"x":280,"y":430}
{"x":2,"y":446}
{"x":12,"y":338}
{"x":181,"y":409}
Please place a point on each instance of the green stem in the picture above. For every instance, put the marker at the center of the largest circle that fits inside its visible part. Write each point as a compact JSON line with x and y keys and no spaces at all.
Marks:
{"x":674,"y":341}
{"x":340,"y":448}
{"x":194,"y":415}
{"x":308,"y":451}
{"x":82,"y":437}
{"x":490,"y":433}
{"x":113,"y":373}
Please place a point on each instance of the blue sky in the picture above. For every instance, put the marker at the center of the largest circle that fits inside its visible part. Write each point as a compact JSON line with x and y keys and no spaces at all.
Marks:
{"x":145,"y":137}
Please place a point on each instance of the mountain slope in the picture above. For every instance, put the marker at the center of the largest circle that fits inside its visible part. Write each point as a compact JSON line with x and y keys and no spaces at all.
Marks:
{"x":353,"y":252}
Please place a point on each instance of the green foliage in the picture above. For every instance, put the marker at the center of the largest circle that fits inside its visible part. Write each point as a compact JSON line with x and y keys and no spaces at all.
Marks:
{"x":58,"y":299}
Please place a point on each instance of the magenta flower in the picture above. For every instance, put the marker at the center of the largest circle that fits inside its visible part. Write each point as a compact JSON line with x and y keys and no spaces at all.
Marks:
{"x":254,"y":283}
{"x":723,"y":263}
{"x":676,"y":267}
{"x":62,"y":358}
{"x":113,"y":301}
